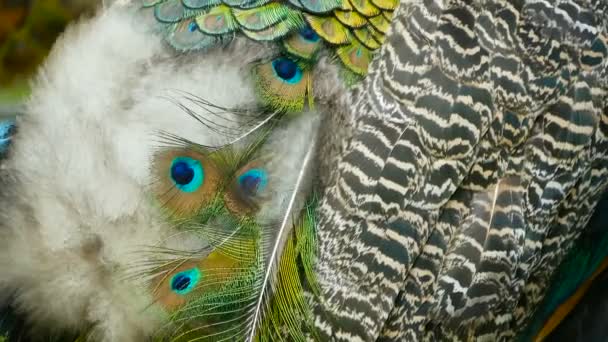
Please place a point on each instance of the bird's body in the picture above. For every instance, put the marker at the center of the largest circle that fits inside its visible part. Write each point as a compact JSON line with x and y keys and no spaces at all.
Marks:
{"x":160,"y":181}
{"x":474,"y":167}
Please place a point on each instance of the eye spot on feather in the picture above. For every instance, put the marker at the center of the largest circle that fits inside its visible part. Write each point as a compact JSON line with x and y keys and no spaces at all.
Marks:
{"x":193,"y":26}
{"x":184,"y":282}
{"x":253,"y":181}
{"x":7,"y":129}
{"x":309,"y":34}
{"x":287,"y":70}
{"x":283,"y":84}
{"x":248,"y":189}
{"x":187,"y":173}
{"x":185,"y":180}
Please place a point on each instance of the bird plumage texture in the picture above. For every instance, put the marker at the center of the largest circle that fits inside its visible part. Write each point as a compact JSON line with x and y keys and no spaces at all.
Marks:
{"x":78,"y":210}
{"x":478,"y":154}
{"x":452,"y":180}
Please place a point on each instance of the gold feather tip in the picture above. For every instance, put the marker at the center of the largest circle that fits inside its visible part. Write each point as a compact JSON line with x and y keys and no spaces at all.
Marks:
{"x":356,"y":57}
{"x":304,"y":43}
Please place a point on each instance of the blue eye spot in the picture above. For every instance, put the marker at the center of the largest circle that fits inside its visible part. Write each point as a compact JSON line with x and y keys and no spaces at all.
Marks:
{"x":184,"y":282}
{"x":7,"y":129}
{"x":287,"y":70}
{"x":309,"y":34}
{"x":253,"y":181}
{"x":187,"y":174}
{"x":182,"y":173}
{"x":193,"y":26}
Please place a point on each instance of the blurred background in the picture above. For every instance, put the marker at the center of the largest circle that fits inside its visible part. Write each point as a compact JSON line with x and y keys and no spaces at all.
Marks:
{"x":28,"y":29}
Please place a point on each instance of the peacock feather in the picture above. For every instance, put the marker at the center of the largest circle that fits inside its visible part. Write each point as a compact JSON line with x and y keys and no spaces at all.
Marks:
{"x":453,"y":180}
{"x":247,"y":200}
{"x":304,"y":30}
{"x":7,"y":129}
{"x":230,"y":199}
{"x":248,"y":277}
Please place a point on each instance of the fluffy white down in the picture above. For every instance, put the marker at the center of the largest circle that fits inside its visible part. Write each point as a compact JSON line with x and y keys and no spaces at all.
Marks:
{"x":82,"y":163}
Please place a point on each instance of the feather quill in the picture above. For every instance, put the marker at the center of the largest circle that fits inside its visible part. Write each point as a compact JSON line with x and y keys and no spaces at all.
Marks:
{"x":237,"y":287}
{"x":279,"y":243}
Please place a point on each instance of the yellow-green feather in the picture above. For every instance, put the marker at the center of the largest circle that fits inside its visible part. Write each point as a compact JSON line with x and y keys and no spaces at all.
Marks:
{"x":350,"y":18}
{"x":200,"y":4}
{"x":218,"y":21}
{"x":356,"y":57}
{"x":289,"y":315}
{"x":388,"y":5}
{"x":277,"y":31}
{"x":329,"y":28}
{"x":321,"y":7}
{"x":263,"y":17}
{"x":351,"y":29}
{"x":367,"y":38}
{"x":182,"y":38}
{"x":380,"y":23}
{"x":170,"y":11}
{"x":298,"y":46}
{"x":279,"y":94}
{"x":365,"y":7}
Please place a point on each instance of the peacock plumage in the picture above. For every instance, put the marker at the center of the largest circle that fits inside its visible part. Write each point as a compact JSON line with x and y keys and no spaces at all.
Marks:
{"x":336,"y":170}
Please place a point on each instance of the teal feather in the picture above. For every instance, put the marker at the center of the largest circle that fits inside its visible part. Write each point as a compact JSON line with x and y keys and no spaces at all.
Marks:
{"x":587,"y":321}
{"x":318,"y":6}
{"x":170,"y":11}
{"x":185,"y":36}
{"x":253,"y":4}
{"x":200,"y":4}
{"x":245,"y":3}
{"x":581,"y":262}
{"x":296,"y":3}
{"x":264,"y":17}
{"x":267,"y":20}
{"x":217,"y":21}
{"x":150,"y":3}
{"x":236,"y":3}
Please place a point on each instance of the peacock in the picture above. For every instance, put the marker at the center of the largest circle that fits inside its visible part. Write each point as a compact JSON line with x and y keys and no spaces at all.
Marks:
{"x":326,"y":170}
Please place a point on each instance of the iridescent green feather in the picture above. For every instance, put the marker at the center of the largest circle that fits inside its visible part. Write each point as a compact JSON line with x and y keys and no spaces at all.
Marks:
{"x":170,"y":11}
{"x":280,"y":94}
{"x":246,"y":4}
{"x":215,"y":312}
{"x":217,"y":21}
{"x":388,"y":5}
{"x":356,"y":57}
{"x":329,"y":28}
{"x":186,"y":36}
{"x":300,"y":47}
{"x":249,"y":262}
{"x":350,"y":29}
{"x":274,"y":32}
{"x":380,"y":23}
{"x":289,"y":313}
{"x":324,"y":6}
{"x":366,"y":37}
{"x":263,"y":17}
{"x":365,"y":7}
{"x":351,"y":18}
{"x":200,"y":4}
